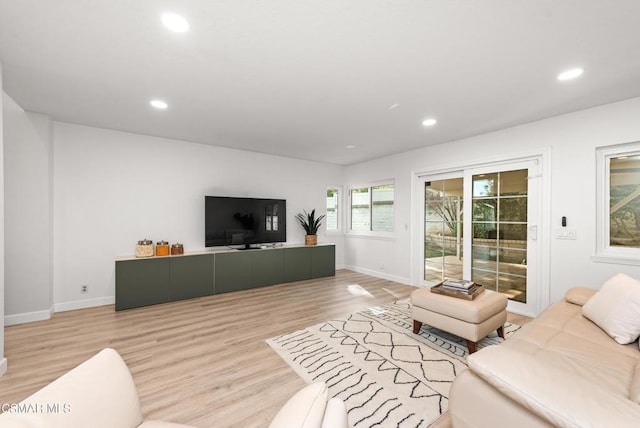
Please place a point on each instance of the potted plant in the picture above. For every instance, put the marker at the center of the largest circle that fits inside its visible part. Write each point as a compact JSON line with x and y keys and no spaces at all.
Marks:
{"x":310,"y":224}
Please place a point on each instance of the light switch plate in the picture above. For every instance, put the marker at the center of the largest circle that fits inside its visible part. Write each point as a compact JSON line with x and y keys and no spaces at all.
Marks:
{"x":565,"y":233}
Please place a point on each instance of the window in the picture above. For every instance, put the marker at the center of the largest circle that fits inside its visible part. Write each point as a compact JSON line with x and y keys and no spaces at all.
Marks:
{"x":372,"y":208}
{"x":333,"y":197}
{"x":618,"y":204}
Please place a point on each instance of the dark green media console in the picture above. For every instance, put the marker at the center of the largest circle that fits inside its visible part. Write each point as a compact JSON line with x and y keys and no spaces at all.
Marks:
{"x":149,"y":281}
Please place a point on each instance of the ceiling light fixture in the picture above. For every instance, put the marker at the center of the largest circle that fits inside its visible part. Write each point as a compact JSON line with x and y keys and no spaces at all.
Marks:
{"x":350,"y":146}
{"x":159,"y":104}
{"x":175,"y":22}
{"x":394,"y":106}
{"x":429,"y":122}
{"x":570,"y":74}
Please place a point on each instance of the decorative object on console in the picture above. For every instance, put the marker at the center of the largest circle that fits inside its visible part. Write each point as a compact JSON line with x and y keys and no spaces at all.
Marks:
{"x":162,"y":248}
{"x":144,"y":248}
{"x":310,"y":224}
{"x":177,"y":249}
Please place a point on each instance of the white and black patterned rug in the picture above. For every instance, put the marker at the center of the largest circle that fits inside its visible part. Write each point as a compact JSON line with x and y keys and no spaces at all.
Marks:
{"x":386,"y":375}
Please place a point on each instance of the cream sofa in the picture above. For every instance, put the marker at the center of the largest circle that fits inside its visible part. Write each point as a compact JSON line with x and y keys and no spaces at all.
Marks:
{"x":100,"y":393}
{"x":561,"y":369}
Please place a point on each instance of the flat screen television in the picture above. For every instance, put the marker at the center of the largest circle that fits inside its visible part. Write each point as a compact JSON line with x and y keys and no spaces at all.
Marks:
{"x":245,"y":222}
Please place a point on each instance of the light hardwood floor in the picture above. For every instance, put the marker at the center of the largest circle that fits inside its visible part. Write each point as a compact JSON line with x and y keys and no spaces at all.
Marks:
{"x":201,"y":362}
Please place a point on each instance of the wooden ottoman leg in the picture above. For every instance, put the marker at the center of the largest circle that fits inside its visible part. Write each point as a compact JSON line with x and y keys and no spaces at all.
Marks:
{"x":471,"y":346}
{"x":501,"y":331}
{"x":417,"y":325}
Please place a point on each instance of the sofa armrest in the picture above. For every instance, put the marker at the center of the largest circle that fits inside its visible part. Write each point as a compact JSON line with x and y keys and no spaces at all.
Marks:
{"x":579,"y":295}
{"x":557,"y":396}
{"x":98,"y":393}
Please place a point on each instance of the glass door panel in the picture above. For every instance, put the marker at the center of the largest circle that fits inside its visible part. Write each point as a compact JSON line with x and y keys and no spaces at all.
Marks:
{"x":499,"y":224}
{"x":443,"y":233}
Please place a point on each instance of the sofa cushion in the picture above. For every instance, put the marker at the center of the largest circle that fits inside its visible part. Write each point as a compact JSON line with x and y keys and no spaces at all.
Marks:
{"x":615,"y":308}
{"x":579,"y":295}
{"x":304,"y":410}
{"x":543,"y":384}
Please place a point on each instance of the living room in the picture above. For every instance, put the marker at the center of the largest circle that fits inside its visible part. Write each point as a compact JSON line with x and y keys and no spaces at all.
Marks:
{"x":78,"y":195}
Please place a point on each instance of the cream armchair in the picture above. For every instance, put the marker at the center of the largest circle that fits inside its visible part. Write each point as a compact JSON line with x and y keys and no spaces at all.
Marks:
{"x":100,"y":393}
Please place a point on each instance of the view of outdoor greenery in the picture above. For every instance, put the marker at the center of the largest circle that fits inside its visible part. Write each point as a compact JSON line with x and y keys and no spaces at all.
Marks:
{"x":332,"y":209}
{"x":500,"y":232}
{"x":499,"y":226}
{"x":443,"y":229}
{"x":624,"y":201}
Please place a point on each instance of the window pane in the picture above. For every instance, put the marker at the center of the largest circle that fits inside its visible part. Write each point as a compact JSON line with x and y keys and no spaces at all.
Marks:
{"x":624,"y":204}
{"x":513,"y":209}
{"x":332,"y":209}
{"x":485,"y":209}
{"x":382,"y":208}
{"x":433,"y":270}
{"x":488,"y":279}
{"x":485,"y":185}
{"x":513,"y":182}
{"x":443,"y":229}
{"x":360,"y":213}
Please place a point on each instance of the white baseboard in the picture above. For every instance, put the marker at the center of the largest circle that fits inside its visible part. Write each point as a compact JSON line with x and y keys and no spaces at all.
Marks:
{"x":83,"y":304}
{"x":58,"y":307}
{"x":338,"y":267}
{"x":377,"y":274}
{"x":28,"y":317}
{"x":3,"y":366}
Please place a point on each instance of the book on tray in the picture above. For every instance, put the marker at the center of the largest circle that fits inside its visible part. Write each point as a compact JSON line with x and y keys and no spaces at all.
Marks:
{"x":458,"y":285}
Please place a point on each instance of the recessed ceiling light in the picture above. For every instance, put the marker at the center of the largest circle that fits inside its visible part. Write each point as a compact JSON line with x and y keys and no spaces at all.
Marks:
{"x":175,"y":22}
{"x":429,"y":122}
{"x":350,"y":146}
{"x":394,"y":106}
{"x":159,"y":104}
{"x":570,"y":74}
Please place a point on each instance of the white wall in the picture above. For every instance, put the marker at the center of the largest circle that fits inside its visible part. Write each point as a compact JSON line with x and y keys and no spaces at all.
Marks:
{"x":112,"y":189}
{"x":3,"y":360}
{"x":28,"y":214}
{"x":572,"y":138}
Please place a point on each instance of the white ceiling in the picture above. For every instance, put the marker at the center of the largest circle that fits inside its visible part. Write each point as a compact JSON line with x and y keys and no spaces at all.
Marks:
{"x":304,"y":78}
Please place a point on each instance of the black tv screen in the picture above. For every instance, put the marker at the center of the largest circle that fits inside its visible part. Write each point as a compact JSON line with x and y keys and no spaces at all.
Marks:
{"x":244,"y":221}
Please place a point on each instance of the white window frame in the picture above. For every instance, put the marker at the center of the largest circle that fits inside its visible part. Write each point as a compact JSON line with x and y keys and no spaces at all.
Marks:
{"x":605,"y":253}
{"x":368,"y":233}
{"x":339,"y":210}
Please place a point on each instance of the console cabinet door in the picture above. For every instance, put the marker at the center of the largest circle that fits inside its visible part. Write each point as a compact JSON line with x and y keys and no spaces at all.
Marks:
{"x":297,"y":264}
{"x":141,"y":282}
{"x":233,"y":271}
{"x":191,"y":276}
{"x":323,"y":261}
{"x":267,"y":267}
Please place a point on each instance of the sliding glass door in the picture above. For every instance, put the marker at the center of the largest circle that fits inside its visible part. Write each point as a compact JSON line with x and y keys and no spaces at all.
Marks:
{"x":481,"y":224}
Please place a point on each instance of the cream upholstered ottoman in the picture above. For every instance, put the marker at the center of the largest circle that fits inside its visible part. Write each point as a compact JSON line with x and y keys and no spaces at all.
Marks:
{"x":472,"y":320}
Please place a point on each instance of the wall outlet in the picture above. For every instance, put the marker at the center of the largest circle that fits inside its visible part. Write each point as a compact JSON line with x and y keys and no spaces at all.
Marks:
{"x":84,"y":288}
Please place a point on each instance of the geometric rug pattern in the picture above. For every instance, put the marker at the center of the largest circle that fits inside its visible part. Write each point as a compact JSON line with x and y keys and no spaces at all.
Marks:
{"x":387,"y":375}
